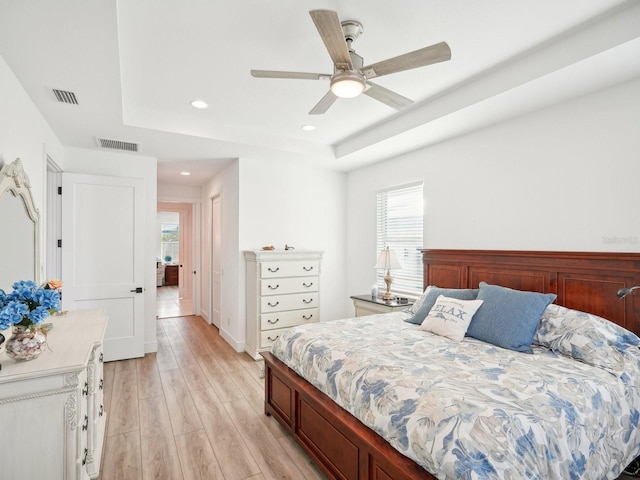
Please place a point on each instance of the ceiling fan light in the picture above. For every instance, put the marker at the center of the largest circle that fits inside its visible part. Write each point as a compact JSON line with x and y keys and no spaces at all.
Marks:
{"x":347,"y":84}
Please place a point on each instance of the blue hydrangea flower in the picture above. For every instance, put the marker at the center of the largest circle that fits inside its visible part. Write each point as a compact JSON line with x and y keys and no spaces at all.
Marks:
{"x":12,"y":313}
{"x":28,"y":304}
{"x":38,"y":314}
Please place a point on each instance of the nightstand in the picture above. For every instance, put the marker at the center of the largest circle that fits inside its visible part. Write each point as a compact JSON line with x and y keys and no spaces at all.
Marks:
{"x":366,"y":305}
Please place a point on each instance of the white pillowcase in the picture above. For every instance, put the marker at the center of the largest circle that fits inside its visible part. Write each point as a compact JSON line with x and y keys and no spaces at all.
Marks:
{"x":450,"y":317}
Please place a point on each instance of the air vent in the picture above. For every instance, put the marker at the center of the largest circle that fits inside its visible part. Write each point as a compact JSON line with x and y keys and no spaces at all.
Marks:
{"x":118,"y":145}
{"x":65,"y":97}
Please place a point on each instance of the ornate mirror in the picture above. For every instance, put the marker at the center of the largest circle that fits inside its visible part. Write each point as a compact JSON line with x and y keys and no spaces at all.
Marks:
{"x":19,"y":246}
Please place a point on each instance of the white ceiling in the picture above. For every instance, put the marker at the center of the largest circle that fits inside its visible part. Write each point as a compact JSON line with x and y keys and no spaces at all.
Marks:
{"x":135,"y":65}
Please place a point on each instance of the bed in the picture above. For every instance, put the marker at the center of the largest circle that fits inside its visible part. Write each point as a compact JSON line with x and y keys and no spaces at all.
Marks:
{"x":483,"y":413}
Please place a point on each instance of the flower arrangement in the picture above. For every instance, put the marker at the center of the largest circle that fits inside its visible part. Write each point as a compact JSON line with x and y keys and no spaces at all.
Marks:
{"x":29,"y":304}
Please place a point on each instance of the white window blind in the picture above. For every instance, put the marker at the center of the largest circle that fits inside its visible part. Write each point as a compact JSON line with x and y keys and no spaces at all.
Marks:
{"x":399,"y":227}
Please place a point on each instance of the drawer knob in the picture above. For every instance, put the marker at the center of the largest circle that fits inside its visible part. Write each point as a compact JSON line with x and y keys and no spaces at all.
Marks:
{"x":274,"y":304}
{"x":304,"y":284}
{"x":273,"y":288}
{"x":308,"y":269}
{"x":304,"y":300}
{"x":273,"y":339}
{"x":273,"y":322}
{"x":307,"y":317}
{"x":273,"y":270}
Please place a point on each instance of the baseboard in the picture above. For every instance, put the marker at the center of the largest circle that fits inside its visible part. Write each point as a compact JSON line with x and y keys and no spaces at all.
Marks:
{"x":150,"y":347}
{"x":235,"y":344}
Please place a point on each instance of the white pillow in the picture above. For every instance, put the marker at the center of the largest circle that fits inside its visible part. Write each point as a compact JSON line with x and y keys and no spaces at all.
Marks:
{"x":450,"y":317}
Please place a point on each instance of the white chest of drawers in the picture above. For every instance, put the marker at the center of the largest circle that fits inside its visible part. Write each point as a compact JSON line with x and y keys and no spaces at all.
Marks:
{"x":51,"y":408}
{"x":283,"y":290}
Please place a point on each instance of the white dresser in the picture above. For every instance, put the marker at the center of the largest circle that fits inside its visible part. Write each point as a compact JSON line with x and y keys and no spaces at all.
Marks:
{"x":51,"y":408}
{"x":283,"y":290}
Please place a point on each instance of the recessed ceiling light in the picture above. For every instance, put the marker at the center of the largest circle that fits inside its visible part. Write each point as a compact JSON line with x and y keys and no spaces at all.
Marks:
{"x":308,"y":128}
{"x":199,"y":104}
{"x":185,"y":173}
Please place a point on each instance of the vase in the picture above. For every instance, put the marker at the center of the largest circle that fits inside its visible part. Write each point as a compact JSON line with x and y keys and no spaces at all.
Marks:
{"x":26,"y":343}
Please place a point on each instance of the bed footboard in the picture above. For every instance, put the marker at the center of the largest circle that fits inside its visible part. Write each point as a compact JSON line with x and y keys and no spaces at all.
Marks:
{"x":340,"y":445}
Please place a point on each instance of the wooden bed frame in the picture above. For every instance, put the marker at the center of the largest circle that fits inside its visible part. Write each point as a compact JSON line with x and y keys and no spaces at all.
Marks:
{"x":344,"y":448}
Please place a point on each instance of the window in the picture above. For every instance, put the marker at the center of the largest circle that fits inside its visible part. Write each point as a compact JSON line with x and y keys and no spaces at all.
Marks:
{"x":399,"y":227}
{"x":169,"y":243}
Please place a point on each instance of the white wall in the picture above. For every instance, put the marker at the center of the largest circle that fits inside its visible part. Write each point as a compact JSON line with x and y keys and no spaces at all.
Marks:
{"x":95,"y":162}
{"x":290,"y":203}
{"x":275,"y":203}
{"x":563,"y":178}
{"x":226,"y":185}
{"x":25,"y":134}
{"x":179,"y":193}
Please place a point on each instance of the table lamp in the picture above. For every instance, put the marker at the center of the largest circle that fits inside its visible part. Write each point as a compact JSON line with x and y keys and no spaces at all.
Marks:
{"x":388,"y":261}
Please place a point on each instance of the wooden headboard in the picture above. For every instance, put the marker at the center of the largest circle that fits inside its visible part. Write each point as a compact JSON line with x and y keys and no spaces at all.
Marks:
{"x":585,"y":281}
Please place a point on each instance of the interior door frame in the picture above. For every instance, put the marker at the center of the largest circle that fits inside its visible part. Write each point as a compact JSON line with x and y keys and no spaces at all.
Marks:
{"x":213,"y":258}
{"x":197,"y":244}
{"x":186,"y":270}
{"x":53,"y":220}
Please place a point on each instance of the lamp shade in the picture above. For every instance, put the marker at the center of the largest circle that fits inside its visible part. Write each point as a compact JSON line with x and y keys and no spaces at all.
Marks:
{"x":388,"y":260}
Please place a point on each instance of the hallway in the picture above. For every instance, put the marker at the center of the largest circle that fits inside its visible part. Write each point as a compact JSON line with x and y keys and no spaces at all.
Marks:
{"x":168,"y":304}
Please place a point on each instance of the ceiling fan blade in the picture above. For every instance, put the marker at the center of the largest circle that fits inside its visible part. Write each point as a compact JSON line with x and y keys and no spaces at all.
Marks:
{"x":388,"y":97}
{"x":323,"y":105}
{"x":296,"y":75}
{"x":330,"y":29}
{"x":440,"y":52}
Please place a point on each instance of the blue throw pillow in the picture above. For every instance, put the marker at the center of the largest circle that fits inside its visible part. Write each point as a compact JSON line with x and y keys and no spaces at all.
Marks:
{"x":432,"y":294}
{"x":508,"y":318}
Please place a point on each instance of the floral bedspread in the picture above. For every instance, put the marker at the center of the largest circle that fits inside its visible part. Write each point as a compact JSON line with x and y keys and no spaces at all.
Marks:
{"x":471,"y":410}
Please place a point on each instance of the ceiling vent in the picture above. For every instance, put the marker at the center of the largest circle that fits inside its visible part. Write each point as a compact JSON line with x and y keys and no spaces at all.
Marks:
{"x":118,"y":145}
{"x":65,"y":97}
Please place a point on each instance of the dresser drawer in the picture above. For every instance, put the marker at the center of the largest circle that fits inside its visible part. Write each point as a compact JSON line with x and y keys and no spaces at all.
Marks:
{"x":270,"y":321}
{"x":296,"y":268}
{"x":268,"y":337}
{"x":294,"y":301}
{"x":276,"y":286}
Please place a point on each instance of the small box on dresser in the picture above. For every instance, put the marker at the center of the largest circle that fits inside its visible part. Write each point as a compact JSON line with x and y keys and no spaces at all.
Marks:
{"x":283,"y":290}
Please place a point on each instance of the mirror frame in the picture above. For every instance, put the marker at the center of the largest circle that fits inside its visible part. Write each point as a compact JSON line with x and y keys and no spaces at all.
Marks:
{"x":14,"y":179}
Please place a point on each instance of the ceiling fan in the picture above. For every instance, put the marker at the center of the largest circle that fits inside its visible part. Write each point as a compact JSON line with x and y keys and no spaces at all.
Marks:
{"x":350,"y":78}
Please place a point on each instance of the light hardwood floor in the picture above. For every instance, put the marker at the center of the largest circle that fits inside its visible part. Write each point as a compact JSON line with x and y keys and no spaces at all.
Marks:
{"x":194,"y":410}
{"x":169,"y":303}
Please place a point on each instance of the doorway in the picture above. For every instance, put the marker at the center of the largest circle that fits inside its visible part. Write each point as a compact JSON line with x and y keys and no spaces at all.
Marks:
{"x":216,"y":260}
{"x":174,"y":278}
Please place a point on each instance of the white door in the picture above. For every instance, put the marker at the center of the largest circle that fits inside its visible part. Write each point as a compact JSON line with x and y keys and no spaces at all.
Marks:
{"x":216,"y":269}
{"x":102,"y":256}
